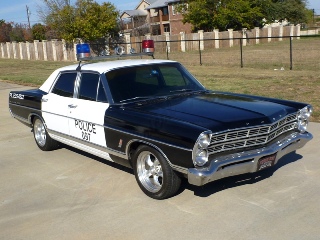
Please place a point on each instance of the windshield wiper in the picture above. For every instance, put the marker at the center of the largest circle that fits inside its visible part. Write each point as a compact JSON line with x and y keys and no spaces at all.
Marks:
{"x":183,"y":90}
{"x":132,"y":99}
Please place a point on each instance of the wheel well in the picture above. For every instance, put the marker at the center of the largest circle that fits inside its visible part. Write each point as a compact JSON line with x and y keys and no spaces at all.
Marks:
{"x":132,"y":148}
{"x":32,"y":116}
{"x":135,"y":145}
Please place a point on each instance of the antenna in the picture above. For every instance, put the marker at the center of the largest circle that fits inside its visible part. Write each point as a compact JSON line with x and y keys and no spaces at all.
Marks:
{"x":28,"y":15}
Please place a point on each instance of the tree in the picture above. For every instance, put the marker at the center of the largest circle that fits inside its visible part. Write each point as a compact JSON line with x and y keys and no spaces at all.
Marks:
{"x":20,"y":33}
{"x":39,"y":31}
{"x":86,"y":19}
{"x":294,"y":11}
{"x":5,"y":29}
{"x":224,"y":14}
{"x":238,"y":14}
{"x":200,"y":13}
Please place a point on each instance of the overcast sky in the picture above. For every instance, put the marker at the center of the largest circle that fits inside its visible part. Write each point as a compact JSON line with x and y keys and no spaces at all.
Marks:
{"x":15,"y":10}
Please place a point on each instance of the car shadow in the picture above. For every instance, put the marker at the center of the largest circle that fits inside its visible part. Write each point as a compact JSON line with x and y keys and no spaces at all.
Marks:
{"x":239,"y":180}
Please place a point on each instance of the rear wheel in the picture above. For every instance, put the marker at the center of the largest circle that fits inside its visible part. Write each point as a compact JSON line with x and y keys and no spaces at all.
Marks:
{"x":153,"y":174}
{"x":41,"y":136}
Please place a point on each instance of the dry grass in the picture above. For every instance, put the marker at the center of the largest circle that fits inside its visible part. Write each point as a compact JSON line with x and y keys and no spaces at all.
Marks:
{"x":221,"y":70}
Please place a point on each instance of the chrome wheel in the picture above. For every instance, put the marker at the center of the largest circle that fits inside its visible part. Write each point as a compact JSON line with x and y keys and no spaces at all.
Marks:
{"x":149,"y":171}
{"x":39,"y":132}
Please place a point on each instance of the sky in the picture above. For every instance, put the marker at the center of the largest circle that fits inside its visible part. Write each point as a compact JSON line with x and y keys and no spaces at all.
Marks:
{"x":15,"y":10}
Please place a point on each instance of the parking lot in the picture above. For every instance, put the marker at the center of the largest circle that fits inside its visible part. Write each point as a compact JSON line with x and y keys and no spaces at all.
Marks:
{"x":68,"y":194}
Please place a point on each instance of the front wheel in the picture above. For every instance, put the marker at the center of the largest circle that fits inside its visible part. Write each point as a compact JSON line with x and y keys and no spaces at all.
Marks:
{"x":41,"y":136}
{"x":153,"y":173}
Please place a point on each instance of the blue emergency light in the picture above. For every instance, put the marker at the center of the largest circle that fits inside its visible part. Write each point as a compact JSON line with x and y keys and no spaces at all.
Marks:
{"x":83,"y":50}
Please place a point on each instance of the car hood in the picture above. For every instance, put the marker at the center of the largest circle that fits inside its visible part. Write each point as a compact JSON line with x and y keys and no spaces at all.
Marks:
{"x":219,"y":111}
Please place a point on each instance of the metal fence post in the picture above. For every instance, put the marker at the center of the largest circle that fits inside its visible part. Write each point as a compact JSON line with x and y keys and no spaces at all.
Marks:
{"x":241,"y":53}
{"x":290,"y":53}
{"x":200,"y":52}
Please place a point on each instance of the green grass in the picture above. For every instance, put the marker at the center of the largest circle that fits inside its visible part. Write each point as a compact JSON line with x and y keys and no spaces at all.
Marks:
{"x":221,"y":70}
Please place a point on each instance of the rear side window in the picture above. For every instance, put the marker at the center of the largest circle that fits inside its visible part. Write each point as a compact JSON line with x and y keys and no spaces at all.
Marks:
{"x":65,"y":85}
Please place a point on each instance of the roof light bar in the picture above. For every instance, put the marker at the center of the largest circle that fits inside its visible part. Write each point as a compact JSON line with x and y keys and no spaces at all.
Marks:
{"x":83,"y":51}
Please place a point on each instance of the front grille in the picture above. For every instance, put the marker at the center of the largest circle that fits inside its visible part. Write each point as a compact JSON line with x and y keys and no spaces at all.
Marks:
{"x":251,"y":137}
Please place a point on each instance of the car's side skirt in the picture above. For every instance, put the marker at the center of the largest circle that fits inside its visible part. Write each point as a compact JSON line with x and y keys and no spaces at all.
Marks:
{"x":99,"y":151}
{"x":80,"y":144}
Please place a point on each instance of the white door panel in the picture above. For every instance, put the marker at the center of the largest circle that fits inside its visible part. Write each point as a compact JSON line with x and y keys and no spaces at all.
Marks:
{"x":55,"y":112}
{"x":87,"y":120}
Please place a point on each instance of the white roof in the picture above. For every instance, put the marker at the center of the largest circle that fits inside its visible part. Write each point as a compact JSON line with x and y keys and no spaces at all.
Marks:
{"x":100,"y":67}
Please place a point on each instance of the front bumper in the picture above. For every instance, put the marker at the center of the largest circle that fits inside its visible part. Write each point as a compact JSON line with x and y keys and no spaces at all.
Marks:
{"x":247,"y":161}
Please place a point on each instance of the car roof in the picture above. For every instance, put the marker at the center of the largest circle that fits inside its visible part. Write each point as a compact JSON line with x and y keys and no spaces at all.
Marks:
{"x":100,"y":67}
{"x":106,"y":66}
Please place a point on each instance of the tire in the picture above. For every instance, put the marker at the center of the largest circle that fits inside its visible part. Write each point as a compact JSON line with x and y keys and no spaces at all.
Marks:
{"x":154,"y":175}
{"x":41,"y":136}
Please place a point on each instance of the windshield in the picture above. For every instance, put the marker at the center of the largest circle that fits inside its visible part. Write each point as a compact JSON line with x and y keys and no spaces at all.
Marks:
{"x":152,"y":80}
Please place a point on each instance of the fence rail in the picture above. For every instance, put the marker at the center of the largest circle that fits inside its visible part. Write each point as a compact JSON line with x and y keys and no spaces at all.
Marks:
{"x":166,"y":46}
{"x":58,"y":51}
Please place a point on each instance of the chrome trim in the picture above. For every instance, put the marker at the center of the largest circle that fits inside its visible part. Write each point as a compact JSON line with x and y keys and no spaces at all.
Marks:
{"x":253,"y":136}
{"x":60,"y":135}
{"x":22,"y":106}
{"x":175,"y":167}
{"x":247,"y":161}
{"x":25,"y":120}
{"x":77,"y":85}
{"x":72,"y":141}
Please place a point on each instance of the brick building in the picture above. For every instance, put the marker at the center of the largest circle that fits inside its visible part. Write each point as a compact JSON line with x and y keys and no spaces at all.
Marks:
{"x":155,"y":16}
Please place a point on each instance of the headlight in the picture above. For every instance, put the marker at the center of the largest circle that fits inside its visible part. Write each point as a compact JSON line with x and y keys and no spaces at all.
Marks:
{"x":200,"y":152}
{"x":303,"y":118}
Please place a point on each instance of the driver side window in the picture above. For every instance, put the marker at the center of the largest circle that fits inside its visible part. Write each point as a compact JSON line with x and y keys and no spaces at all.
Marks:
{"x":91,"y":88}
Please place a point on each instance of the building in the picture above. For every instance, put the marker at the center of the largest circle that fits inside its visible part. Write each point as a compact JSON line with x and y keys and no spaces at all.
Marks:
{"x":155,"y":17}
{"x":137,"y":20}
{"x":165,"y":18}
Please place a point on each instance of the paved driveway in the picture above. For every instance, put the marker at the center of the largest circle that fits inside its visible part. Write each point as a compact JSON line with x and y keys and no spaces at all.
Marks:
{"x":67,"y":194}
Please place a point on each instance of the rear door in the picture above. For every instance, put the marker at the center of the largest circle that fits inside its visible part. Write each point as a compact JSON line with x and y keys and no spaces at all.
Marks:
{"x":56,"y":104}
{"x":88,"y":111}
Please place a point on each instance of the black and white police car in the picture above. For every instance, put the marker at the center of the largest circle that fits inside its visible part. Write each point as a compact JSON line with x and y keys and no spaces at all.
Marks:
{"x":154,"y":116}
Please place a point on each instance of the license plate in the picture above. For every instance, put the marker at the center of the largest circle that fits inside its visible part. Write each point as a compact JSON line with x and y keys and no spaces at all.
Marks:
{"x":267,"y":161}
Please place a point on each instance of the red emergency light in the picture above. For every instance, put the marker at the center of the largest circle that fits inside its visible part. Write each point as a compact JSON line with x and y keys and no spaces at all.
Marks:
{"x":148,"y":46}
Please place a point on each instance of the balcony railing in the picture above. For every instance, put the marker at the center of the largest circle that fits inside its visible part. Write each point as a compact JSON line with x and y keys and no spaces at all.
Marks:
{"x":157,"y":19}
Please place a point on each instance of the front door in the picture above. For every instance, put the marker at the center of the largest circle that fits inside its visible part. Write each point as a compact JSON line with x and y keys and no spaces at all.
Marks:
{"x":86,"y":121}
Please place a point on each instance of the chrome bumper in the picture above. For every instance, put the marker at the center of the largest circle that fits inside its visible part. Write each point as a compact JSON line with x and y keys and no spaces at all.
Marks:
{"x":247,"y":161}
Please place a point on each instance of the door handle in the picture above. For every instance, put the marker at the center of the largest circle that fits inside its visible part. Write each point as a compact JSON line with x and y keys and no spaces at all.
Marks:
{"x":44,"y":100}
{"x":72,"y":106}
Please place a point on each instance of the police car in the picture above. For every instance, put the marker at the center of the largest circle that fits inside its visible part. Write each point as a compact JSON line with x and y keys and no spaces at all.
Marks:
{"x":154,"y":116}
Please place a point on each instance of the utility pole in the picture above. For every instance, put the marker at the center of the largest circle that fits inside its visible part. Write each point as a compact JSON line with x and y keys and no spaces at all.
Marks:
{"x":28,"y":15}
{"x":313,"y":15}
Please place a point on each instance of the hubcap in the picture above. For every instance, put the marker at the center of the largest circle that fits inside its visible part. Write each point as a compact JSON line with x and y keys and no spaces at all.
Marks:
{"x":149,"y":171}
{"x":39,"y":132}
